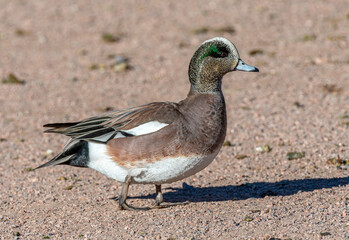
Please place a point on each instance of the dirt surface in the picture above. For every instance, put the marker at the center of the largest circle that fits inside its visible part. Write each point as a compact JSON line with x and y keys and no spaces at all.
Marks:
{"x":64,"y":70}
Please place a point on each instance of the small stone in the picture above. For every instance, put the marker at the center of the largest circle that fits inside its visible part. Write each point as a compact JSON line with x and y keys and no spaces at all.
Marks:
{"x":263,"y":149}
{"x":110,"y":38}
{"x":256,"y":52}
{"x":96,"y":66}
{"x":107,"y":109}
{"x":295,"y":155}
{"x":21,"y":32}
{"x":298,"y":104}
{"x":227,"y":144}
{"x":220,"y":30}
{"x":48,"y":152}
{"x":338,"y":161}
{"x":241,"y":156}
{"x":346,"y":123}
{"x":75,"y":179}
{"x":12,"y":79}
{"x":121,"y":67}
{"x":320,"y":60}
{"x":69,"y":187}
{"x":325,"y":234}
{"x":121,"y":64}
{"x":308,"y":38}
{"x":344,"y":116}
{"x":183,"y":44}
{"x":247,"y":108}
{"x":201,"y":30}
{"x":83,"y":52}
{"x":336,"y":38}
{"x":120,"y":59}
{"x":225,"y":29}
{"x":332,"y":88}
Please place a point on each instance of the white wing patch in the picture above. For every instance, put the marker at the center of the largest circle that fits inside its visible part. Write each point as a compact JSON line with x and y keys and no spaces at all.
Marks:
{"x":146,"y":128}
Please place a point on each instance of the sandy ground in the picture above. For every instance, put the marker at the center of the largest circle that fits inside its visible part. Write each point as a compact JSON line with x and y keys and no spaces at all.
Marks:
{"x":298,"y":102}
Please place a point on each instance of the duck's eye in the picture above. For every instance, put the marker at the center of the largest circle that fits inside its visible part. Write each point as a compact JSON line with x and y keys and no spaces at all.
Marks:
{"x":220,"y":53}
{"x":223,"y":54}
{"x":216,"y":52}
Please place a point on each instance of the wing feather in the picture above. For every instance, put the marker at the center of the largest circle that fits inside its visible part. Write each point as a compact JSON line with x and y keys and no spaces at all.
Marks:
{"x":104,"y":127}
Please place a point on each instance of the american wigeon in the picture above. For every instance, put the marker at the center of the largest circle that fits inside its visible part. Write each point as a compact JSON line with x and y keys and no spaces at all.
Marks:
{"x":159,"y":142}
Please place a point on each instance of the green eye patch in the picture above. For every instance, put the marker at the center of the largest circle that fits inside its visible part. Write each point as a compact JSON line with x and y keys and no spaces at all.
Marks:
{"x":209,"y":50}
{"x":214,"y":51}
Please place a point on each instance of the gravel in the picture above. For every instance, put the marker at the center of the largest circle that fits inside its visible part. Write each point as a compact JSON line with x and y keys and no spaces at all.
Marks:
{"x":297,"y":103}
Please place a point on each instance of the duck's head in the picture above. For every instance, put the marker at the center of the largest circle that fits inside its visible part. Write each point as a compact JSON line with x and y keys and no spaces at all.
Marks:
{"x":214,"y":58}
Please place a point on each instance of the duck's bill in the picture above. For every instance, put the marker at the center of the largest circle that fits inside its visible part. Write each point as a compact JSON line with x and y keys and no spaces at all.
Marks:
{"x":242,"y":66}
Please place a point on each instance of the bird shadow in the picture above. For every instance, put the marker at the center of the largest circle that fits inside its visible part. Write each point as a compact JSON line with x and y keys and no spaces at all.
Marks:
{"x":248,"y":190}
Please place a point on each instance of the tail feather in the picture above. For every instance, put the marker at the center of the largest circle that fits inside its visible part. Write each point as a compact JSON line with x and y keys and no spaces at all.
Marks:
{"x":64,"y":156}
{"x":58,"y":127}
{"x":55,"y":161}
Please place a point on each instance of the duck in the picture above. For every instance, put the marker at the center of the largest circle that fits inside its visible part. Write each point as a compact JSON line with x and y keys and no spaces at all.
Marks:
{"x":159,"y":142}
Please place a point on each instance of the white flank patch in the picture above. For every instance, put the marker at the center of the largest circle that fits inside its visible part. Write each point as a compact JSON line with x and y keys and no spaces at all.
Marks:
{"x":171,"y":169}
{"x":146,"y":128}
{"x":164,"y":171}
{"x":101,"y":162}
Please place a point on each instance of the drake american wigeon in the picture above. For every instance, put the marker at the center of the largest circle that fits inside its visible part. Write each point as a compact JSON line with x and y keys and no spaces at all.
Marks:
{"x":159,"y":142}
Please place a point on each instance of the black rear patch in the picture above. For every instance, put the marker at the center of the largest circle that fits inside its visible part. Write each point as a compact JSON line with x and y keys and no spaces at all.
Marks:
{"x":81,"y":157}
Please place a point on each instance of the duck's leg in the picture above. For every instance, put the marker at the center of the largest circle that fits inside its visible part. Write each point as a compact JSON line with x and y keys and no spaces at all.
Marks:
{"x":159,"y":199}
{"x":123,"y":196}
